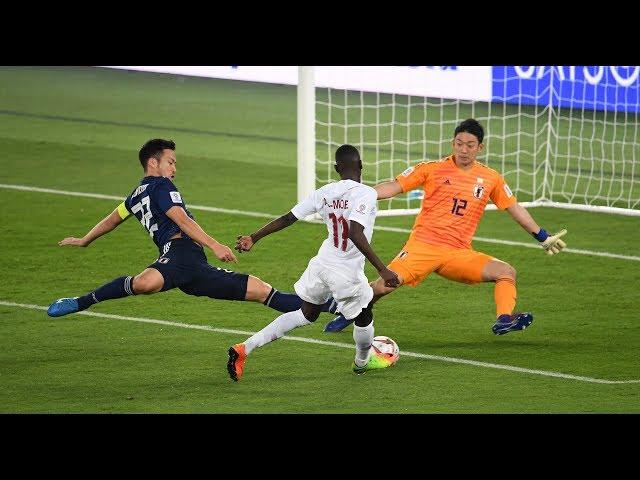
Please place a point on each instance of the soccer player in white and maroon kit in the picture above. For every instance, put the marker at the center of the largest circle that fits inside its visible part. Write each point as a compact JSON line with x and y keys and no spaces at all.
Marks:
{"x":348,"y":208}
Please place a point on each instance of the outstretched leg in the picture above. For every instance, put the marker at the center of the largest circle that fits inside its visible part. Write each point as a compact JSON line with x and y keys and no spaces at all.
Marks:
{"x":469,"y":266}
{"x":276,"y":329}
{"x":149,"y":281}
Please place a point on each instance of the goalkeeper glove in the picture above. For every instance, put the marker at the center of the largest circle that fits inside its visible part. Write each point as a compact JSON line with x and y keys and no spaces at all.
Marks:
{"x":550,"y":243}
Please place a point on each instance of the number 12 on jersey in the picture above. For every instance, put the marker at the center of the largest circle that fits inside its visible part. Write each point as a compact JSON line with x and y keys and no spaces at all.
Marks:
{"x":340,"y":223}
{"x":458,"y":205}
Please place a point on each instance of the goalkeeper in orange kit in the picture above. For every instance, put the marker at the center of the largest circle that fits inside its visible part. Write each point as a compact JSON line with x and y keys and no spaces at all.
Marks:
{"x":456,"y":191}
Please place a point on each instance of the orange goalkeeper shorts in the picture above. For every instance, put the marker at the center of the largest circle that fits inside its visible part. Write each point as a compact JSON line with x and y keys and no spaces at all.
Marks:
{"x":417,"y":259}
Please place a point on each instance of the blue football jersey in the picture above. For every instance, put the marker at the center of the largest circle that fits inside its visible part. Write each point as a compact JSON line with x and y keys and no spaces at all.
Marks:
{"x":149,"y":203}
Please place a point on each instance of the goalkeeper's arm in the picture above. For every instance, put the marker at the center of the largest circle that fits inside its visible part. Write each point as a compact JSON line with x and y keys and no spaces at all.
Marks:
{"x":551,"y":244}
{"x":388,"y":189}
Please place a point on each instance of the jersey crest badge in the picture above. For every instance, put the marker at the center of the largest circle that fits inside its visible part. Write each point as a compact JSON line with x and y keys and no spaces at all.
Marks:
{"x":362,"y":208}
{"x":478,"y":190}
{"x":175,"y":196}
{"x":508,"y":191}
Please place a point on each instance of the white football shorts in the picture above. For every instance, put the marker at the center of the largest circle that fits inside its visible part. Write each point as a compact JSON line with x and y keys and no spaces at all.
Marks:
{"x":350,"y":288}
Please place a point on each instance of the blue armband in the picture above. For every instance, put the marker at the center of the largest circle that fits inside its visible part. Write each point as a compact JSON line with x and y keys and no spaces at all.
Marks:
{"x":541,"y":236}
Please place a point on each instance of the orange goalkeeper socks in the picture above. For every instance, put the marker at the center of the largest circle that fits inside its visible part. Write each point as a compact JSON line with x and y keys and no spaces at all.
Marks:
{"x":505,"y":296}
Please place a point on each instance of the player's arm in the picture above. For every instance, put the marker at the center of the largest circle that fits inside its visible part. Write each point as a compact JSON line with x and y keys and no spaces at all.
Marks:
{"x":111,"y":221}
{"x":245,"y":242}
{"x":356,"y":235}
{"x":388,"y":189}
{"x":552,"y":244}
{"x":194,"y":231}
{"x":411,"y":178}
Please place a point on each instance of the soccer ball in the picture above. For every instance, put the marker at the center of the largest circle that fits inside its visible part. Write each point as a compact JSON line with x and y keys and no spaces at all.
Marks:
{"x":387,"y":347}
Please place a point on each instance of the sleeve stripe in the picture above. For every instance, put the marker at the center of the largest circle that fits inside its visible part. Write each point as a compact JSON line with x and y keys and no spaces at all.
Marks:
{"x":123,"y":212}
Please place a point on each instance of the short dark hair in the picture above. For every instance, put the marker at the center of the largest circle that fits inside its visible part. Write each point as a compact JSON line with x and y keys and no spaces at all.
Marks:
{"x":470,"y":125}
{"x":347,"y":155}
{"x":154,"y":148}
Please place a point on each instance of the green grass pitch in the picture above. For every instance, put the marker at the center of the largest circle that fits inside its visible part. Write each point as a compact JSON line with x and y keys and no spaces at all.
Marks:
{"x":79,"y":130}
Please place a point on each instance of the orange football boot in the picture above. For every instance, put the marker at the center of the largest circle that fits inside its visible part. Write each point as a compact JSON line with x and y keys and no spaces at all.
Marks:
{"x":235,"y":365}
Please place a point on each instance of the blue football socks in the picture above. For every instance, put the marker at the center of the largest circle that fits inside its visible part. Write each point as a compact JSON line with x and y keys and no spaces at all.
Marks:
{"x":118,"y":288}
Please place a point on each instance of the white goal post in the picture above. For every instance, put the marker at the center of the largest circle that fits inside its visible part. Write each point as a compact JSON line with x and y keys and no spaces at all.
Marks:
{"x":563,"y":137}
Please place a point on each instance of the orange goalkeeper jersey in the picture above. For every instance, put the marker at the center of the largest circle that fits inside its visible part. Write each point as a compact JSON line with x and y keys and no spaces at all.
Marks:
{"x":454,"y":200}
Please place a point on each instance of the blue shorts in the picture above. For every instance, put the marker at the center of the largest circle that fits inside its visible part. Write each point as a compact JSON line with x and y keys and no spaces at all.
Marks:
{"x":184,"y":265}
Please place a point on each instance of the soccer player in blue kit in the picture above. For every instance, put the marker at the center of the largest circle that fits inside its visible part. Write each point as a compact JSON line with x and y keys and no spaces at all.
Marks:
{"x":182,"y":263}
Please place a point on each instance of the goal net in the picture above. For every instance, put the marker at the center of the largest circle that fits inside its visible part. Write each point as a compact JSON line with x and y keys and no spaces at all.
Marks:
{"x":561,"y":136}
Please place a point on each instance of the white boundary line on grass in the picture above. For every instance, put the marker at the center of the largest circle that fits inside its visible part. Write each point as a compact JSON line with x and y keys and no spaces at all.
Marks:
{"x":120,"y":199}
{"x":338,"y":344}
{"x":268,"y":215}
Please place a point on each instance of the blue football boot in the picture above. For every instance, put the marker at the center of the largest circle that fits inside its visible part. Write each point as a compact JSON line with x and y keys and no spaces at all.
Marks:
{"x":337,"y":324}
{"x":517,"y":321}
{"x":63,"y":306}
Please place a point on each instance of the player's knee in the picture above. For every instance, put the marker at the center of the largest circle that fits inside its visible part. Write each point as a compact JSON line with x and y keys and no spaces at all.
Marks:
{"x":257,"y":290}
{"x":509,"y":271}
{"x":504,"y":270}
{"x":143,"y":284}
{"x":365,"y":317}
{"x":498,"y":269}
